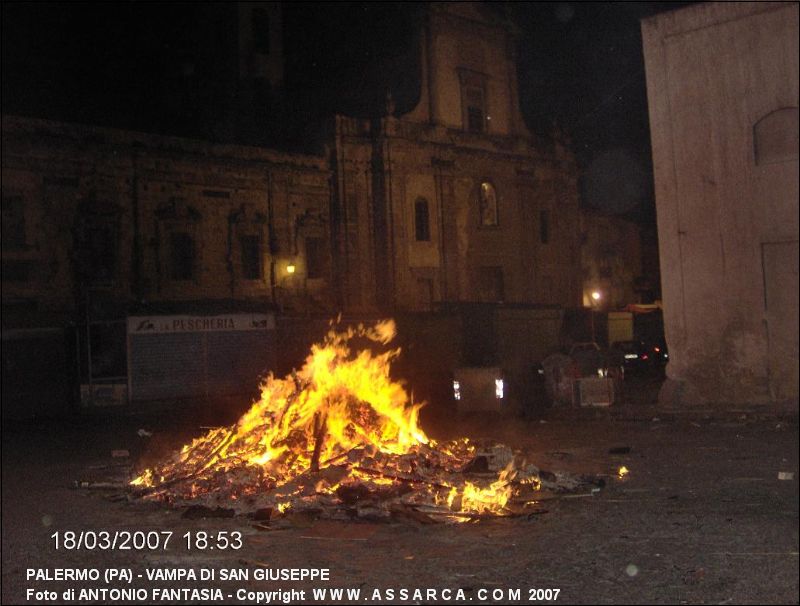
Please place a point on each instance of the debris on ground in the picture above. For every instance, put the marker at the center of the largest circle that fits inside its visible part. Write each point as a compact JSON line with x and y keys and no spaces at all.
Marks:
{"x":201,"y":512}
{"x":340,"y":439}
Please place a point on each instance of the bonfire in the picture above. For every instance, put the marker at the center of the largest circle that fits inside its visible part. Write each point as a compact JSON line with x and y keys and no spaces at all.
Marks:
{"x":341,"y":438}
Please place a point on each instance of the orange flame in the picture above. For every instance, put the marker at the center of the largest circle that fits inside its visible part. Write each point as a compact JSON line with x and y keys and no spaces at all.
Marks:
{"x":338,"y":402}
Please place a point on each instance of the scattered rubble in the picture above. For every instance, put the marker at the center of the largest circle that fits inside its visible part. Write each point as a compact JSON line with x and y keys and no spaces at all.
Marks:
{"x":339,"y":439}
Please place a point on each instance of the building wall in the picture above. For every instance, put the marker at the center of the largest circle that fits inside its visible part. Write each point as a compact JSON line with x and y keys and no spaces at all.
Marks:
{"x":611,"y":260}
{"x":723,"y":93}
{"x":463,"y":40}
{"x":111,"y":211}
{"x":98,"y":208}
{"x":100,"y":224}
{"x":527,"y":251}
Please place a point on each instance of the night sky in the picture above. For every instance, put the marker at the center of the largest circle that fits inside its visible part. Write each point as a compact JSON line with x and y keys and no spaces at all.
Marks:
{"x":172,"y":68}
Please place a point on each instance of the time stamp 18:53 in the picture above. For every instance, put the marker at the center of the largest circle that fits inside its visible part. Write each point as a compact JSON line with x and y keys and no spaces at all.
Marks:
{"x":145,"y":540}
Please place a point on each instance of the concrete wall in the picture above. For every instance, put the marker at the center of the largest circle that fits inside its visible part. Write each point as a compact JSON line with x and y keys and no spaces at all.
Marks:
{"x":723,"y":93}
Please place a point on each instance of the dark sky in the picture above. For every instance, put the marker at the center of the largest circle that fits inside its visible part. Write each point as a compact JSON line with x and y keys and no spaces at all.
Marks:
{"x":172,"y":68}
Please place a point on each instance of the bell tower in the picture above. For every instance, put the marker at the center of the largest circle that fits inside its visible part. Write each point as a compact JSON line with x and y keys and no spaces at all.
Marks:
{"x":469,"y":71}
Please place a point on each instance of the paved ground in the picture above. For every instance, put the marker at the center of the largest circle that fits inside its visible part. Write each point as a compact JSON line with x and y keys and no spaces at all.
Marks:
{"x":702,"y":518}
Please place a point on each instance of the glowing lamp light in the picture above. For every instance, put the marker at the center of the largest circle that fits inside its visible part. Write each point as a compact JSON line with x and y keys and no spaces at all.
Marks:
{"x":596,"y":295}
{"x":291,"y":268}
{"x":499,"y":388}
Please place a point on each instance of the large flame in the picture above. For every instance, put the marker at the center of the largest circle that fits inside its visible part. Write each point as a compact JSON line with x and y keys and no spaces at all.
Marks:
{"x":338,"y":403}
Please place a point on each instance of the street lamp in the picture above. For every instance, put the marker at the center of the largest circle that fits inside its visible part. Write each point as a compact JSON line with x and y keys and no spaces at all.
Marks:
{"x":596,"y":296}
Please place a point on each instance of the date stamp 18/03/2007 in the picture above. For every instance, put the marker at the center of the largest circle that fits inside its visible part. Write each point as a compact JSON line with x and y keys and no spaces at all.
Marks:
{"x":153,"y":540}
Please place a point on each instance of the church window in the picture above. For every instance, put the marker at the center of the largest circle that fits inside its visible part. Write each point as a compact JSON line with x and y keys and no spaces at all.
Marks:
{"x":251,"y":257}
{"x":182,"y":256}
{"x":422,"y":223}
{"x":488,"y":205}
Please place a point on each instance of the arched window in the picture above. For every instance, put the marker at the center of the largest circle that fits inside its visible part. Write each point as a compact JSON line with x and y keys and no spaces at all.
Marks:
{"x":182,"y":256}
{"x":422,"y":221}
{"x":252,"y":266}
{"x":316,"y":258}
{"x":488,"y":205}
{"x":775,"y":136}
{"x":473,"y":101}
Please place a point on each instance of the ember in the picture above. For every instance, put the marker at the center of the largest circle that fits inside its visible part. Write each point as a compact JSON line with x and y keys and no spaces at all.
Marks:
{"x":340,"y":438}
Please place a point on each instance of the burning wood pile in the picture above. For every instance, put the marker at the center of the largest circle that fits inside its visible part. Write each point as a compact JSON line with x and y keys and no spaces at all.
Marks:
{"x":340,"y":439}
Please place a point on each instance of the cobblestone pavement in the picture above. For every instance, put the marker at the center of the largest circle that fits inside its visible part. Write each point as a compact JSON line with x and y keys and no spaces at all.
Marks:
{"x":701,"y":518}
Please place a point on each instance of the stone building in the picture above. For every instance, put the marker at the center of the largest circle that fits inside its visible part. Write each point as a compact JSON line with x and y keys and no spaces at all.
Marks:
{"x":611,"y":260}
{"x":452,"y":202}
{"x":722,"y":84}
{"x":123,"y":220}
{"x":106,"y":232}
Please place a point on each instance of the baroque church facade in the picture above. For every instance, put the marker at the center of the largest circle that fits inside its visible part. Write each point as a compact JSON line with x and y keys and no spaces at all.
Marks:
{"x":454,"y":201}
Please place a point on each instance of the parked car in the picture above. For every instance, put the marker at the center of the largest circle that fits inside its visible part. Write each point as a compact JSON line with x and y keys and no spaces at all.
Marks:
{"x":636,"y":355}
{"x":658,"y":352}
